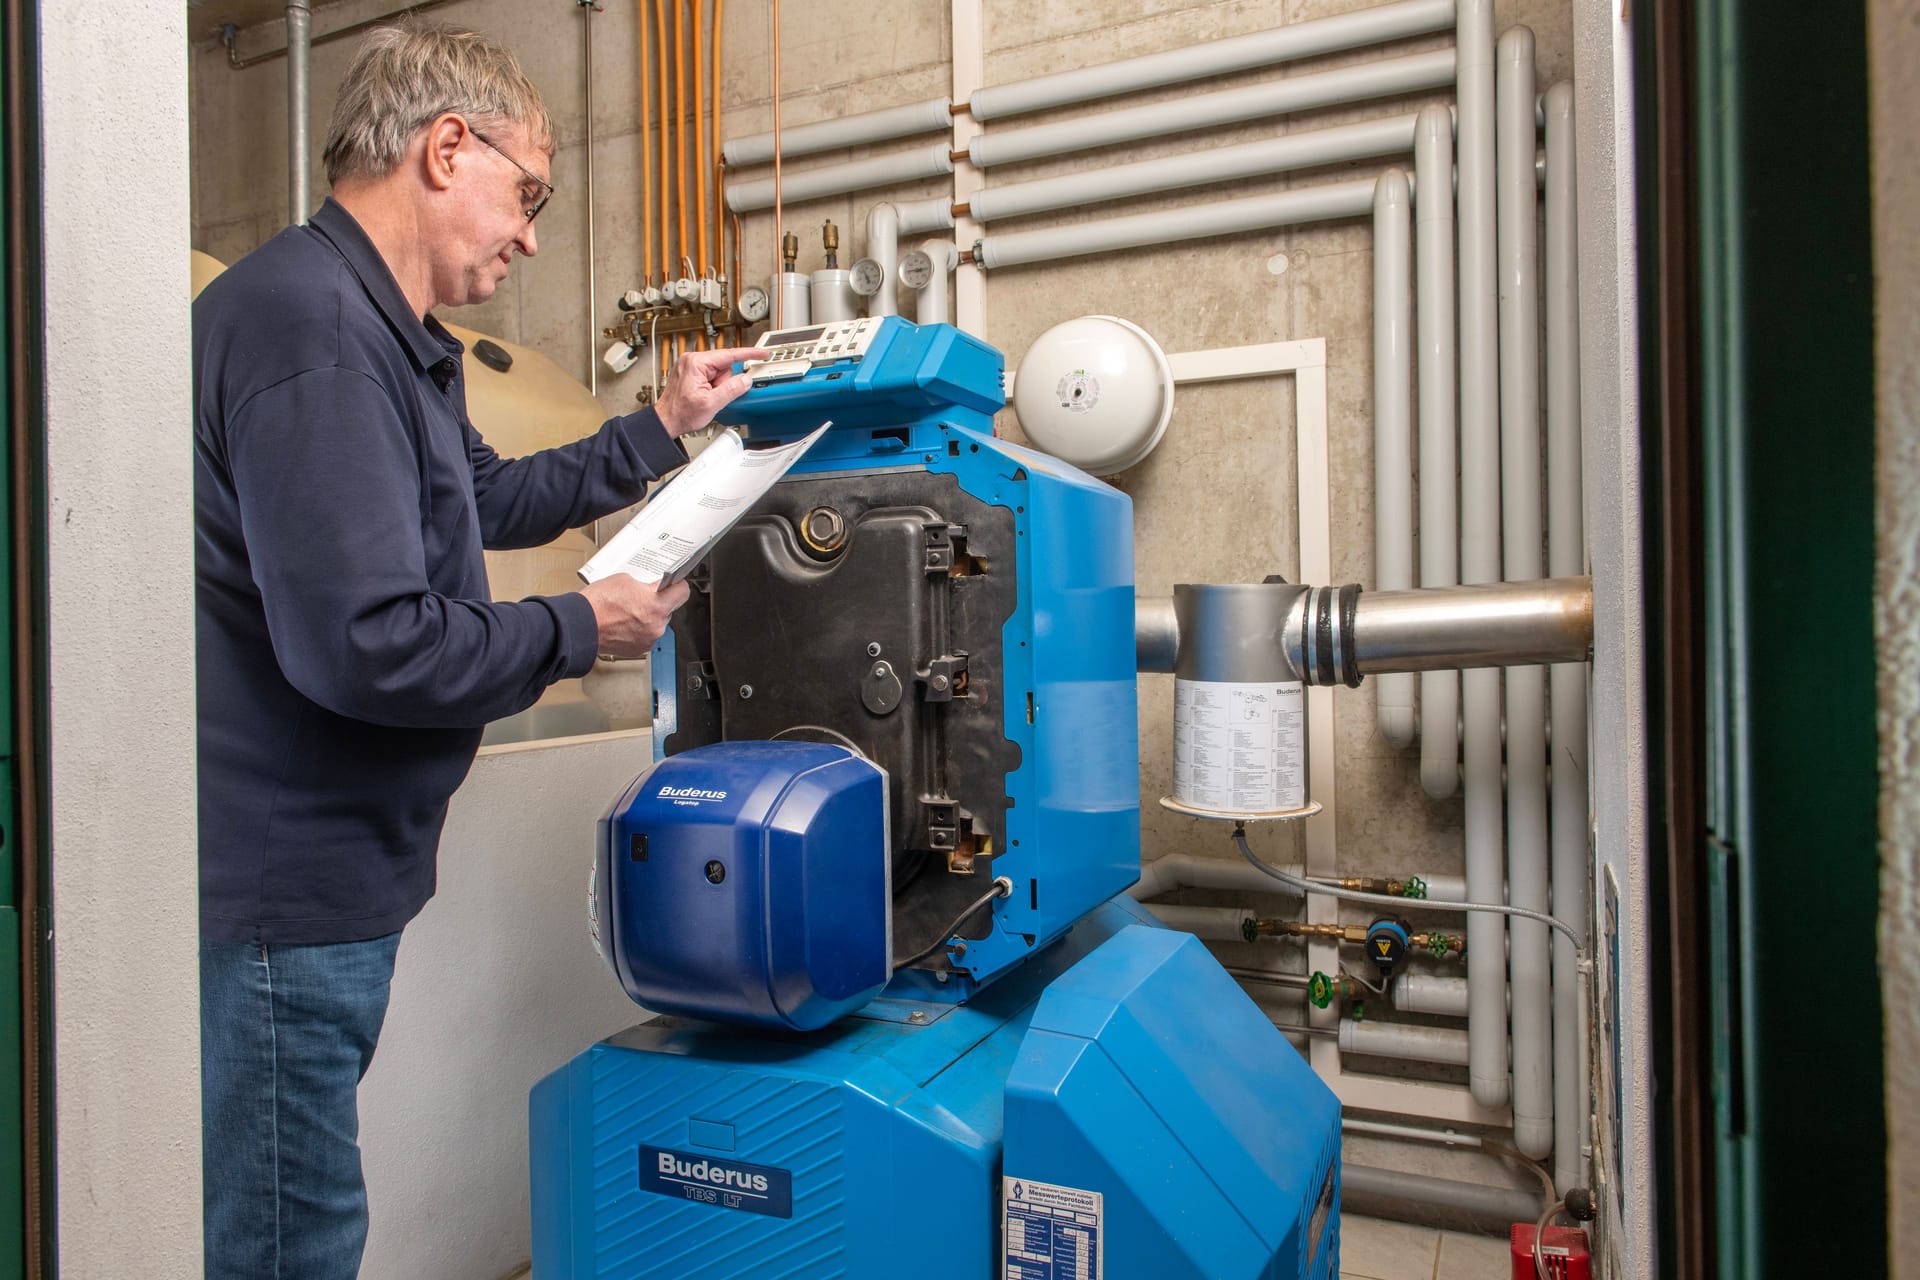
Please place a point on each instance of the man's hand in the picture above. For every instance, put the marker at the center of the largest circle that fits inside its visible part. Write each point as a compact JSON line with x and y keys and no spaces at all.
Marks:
{"x":632,"y":614}
{"x":699,"y":385}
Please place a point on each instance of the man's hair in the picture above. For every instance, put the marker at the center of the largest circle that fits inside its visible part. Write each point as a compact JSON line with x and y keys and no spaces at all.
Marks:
{"x":405,"y":76}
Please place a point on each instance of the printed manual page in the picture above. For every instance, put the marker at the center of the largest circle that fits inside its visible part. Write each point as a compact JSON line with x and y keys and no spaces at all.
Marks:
{"x":687,"y":515}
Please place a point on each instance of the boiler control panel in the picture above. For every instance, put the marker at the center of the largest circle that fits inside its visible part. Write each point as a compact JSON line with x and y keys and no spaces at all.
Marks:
{"x":795,"y":352}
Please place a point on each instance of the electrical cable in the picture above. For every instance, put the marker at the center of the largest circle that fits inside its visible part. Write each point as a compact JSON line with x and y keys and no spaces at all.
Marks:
{"x":1539,"y":1238}
{"x":1001,"y":888}
{"x":1301,"y":885}
{"x":1351,"y":976}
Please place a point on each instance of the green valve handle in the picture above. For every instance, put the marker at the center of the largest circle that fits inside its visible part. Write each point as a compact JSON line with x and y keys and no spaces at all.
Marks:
{"x":1249,"y":930}
{"x":1320,"y":990}
{"x":1415,"y":888}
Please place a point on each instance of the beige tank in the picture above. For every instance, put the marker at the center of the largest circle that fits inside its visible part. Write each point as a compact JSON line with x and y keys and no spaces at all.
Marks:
{"x":530,"y":405}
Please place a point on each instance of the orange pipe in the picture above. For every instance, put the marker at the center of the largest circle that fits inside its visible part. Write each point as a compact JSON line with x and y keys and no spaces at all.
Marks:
{"x":779,"y":225}
{"x":680,"y":128}
{"x":719,"y":214}
{"x":646,"y":140}
{"x":660,"y":42}
{"x":700,"y":128}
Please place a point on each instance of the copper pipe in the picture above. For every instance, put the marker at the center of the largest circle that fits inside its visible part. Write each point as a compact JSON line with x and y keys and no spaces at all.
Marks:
{"x":646,"y":138}
{"x":719,"y":218}
{"x":679,"y":133}
{"x":958,"y":155}
{"x":700,"y":131}
{"x":962,"y":210}
{"x":660,"y":99}
{"x":779,"y":222}
{"x":958,"y":108}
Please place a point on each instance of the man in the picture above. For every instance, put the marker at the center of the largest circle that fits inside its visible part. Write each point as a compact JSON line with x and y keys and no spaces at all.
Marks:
{"x":349,"y":652}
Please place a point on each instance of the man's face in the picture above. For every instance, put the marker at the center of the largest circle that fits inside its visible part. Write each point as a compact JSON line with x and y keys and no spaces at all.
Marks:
{"x":503,"y":176}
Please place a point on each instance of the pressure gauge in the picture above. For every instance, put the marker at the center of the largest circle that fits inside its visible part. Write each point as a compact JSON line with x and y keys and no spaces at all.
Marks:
{"x":867,"y":277}
{"x":753,"y":304}
{"x":685,"y":289}
{"x":916,"y":269}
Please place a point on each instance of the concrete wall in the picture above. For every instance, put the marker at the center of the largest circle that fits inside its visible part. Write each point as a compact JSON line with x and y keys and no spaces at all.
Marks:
{"x":120,"y":634}
{"x":1894,"y":31}
{"x":497,"y":985}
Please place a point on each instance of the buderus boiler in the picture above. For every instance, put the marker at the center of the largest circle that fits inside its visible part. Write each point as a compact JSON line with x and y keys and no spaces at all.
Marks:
{"x":871,"y":886}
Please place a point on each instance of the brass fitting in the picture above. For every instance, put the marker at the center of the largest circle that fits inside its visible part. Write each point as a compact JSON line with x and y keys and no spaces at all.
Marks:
{"x":830,"y":241}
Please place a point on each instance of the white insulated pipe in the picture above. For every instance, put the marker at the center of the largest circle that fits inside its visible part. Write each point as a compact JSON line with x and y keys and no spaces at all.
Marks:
{"x":1391,"y":135}
{"x":1172,"y":871}
{"x":1384,"y":79}
{"x":1429,"y":993}
{"x":931,"y":306}
{"x":1404,"y":1040}
{"x":1529,"y":956}
{"x":1393,"y":427}
{"x":919,"y":216}
{"x":1350,"y":199}
{"x":839,"y":179}
{"x":883,"y":246}
{"x":935,"y":115}
{"x":1439,"y":423}
{"x":1566,"y":545}
{"x":1480,"y":548}
{"x":1214,"y":58}
{"x":1380,"y":1190}
{"x":1210,"y":924}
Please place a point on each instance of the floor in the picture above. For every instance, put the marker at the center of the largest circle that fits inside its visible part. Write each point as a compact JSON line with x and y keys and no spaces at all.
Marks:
{"x":1375,"y":1249}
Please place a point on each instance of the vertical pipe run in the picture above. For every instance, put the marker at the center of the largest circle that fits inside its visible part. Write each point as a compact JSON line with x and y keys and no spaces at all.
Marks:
{"x":299,"y":137}
{"x":931,"y":308}
{"x":883,"y":246}
{"x":588,"y":8}
{"x":1480,"y":548}
{"x":1566,"y":546}
{"x":1393,"y":427}
{"x":1439,"y":420}
{"x":1529,"y":954}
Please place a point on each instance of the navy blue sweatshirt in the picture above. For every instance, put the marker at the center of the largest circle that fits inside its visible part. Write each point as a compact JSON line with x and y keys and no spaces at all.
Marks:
{"x":349,"y":652}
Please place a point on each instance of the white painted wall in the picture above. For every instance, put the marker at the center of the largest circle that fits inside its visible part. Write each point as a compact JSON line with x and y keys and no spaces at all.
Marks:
{"x":496,"y":986}
{"x":120,"y":631}
{"x":1894,"y":44}
{"x":1609,"y":393}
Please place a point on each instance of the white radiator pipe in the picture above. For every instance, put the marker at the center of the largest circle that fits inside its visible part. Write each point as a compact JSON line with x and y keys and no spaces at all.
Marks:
{"x":1522,"y":533}
{"x":1393,"y":427}
{"x":1350,"y":199}
{"x":1404,"y":1040}
{"x":931,"y":306}
{"x":1384,"y":79}
{"x":917,"y":217}
{"x":1392,"y":135}
{"x":1566,"y":545}
{"x":1430,"y":993}
{"x":1214,"y":58}
{"x":839,"y":179}
{"x":1210,"y":924}
{"x":935,"y":115}
{"x":883,"y":246}
{"x":1439,"y":424}
{"x":1480,"y":548}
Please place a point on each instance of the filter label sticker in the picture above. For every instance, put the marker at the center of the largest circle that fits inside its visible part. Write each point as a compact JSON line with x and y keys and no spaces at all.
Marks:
{"x":722,"y":1183}
{"x":1240,"y":748}
{"x":1051,"y":1232}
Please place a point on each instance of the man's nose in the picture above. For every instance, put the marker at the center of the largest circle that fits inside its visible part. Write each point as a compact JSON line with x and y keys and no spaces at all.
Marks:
{"x":526,"y":241}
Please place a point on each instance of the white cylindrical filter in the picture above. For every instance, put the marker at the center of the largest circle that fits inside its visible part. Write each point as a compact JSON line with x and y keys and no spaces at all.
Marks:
{"x":1097,"y":392}
{"x":1240,"y":709}
{"x":1393,"y":428}
{"x":833,"y":297}
{"x":792,"y":299}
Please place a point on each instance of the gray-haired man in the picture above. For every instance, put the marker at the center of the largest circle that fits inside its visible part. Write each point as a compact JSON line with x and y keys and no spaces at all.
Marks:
{"x":349,"y":652}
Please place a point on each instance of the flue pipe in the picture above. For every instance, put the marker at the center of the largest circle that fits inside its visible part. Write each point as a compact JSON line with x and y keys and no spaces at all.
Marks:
{"x":1480,"y":546}
{"x":1566,"y":553}
{"x":1388,"y":78}
{"x":1439,"y":423}
{"x":299,"y":127}
{"x":1214,"y":58}
{"x":1393,"y":426}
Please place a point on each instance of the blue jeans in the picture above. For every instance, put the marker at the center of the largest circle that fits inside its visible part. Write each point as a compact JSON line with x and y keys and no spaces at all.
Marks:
{"x":286,"y":1033}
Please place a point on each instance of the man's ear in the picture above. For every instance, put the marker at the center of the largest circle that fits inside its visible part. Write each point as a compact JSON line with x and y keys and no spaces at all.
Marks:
{"x":444,"y":134}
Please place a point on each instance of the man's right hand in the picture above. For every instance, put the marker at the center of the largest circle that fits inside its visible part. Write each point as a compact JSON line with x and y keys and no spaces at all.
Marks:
{"x":632,"y":614}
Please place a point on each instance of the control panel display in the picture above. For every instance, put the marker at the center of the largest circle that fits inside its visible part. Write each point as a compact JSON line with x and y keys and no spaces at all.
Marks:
{"x":792,"y":352}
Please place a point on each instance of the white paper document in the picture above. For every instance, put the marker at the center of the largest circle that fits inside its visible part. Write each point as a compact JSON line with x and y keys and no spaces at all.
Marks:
{"x":687,"y":515}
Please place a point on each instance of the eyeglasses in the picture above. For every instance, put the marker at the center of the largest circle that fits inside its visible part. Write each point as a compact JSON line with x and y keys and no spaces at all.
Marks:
{"x":546,"y":188}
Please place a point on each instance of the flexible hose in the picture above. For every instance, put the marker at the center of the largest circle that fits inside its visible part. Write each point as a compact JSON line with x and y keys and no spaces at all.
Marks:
{"x":1300,"y":885}
{"x":1001,"y":888}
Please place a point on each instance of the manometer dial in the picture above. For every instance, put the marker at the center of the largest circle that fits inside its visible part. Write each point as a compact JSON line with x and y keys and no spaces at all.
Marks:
{"x":867,"y":277}
{"x":916,"y":269}
{"x":753,"y":304}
